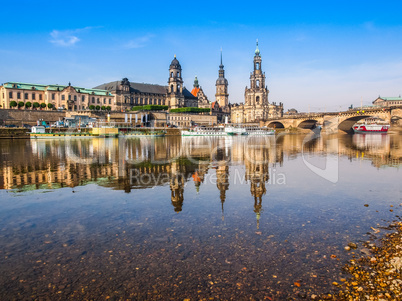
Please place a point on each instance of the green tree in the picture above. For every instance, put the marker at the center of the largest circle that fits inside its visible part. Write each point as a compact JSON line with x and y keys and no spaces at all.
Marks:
{"x":92,"y":107}
{"x":28,"y":104}
{"x":13,"y":104}
{"x":103,"y":108}
{"x":50,"y":106}
{"x":21,"y":104}
{"x":97,"y":108}
{"x":36,"y":105}
{"x":109,"y":108}
{"x":43,"y":105}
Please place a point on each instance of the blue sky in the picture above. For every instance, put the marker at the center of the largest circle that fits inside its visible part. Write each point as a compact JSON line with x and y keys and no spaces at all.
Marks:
{"x":317,"y":55}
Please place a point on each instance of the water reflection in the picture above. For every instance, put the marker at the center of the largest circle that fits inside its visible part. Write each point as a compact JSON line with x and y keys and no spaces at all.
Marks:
{"x":144,"y":163}
{"x":202,"y":209}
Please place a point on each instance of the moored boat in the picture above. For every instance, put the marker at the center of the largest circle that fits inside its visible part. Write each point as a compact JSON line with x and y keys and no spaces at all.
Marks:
{"x":142,"y":134}
{"x":235,"y":131}
{"x":204,"y":131}
{"x":39,"y":132}
{"x":371,"y":125}
{"x":258,"y":131}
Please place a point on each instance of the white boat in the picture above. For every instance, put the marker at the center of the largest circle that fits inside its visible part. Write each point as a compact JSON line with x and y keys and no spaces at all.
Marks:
{"x":258,"y":131}
{"x":204,"y":131}
{"x":371,"y":125}
{"x":235,"y":131}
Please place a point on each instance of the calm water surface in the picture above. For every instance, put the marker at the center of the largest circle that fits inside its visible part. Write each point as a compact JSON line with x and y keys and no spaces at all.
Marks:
{"x":192,"y":217}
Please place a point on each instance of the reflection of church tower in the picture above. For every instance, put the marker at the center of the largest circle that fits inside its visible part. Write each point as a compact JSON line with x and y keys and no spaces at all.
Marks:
{"x":177,"y":181}
{"x":175,"y":85}
{"x":177,"y":188}
{"x":222,"y":182}
{"x":222,"y":96}
{"x":257,"y":172}
{"x":222,"y":174}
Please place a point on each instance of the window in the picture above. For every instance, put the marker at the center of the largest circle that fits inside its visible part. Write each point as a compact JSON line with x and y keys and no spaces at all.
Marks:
{"x":26,"y":96}
{"x":75,"y":97}
{"x":104,"y":101}
{"x":40,"y":96}
{"x":171,"y":88}
{"x":178,"y":74}
{"x":53,"y":96}
{"x":69,"y":97}
{"x":257,"y":83}
{"x":171,"y":74}
{"x":63,"y":97}
{"x":257,"y":66}
{"x":33,"y":96}
{"x":19,"y":95}
{"x":110,"y":101}
{"x":83,"y":98}
{"x":97,"y":100}
{"x":93,"y":99}
{"x":10,"y":94}
{"x":257,"y":99}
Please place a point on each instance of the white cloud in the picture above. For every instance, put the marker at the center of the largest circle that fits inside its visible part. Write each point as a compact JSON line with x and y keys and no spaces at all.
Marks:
{"x":63,"y":38}
{"x":138,"y":42}
{"x":68,"y":38}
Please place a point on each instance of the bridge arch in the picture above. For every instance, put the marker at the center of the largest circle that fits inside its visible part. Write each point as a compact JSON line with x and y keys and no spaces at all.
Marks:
{"x":276,"y":125}
{"x":347,"y":124}
{"x":308,"y":124}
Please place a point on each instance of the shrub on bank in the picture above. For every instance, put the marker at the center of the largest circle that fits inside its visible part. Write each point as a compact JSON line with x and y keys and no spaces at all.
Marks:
{"x":149,"y":108}
{"x":191,"y":110}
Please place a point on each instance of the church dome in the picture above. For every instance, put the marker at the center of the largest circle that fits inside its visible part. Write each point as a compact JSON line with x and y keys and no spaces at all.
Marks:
{"x":175,"y":64}
{"x":221,"y":81}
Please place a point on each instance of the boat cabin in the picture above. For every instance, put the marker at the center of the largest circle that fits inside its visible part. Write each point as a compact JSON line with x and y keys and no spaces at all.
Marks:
{"x":38,"y":129}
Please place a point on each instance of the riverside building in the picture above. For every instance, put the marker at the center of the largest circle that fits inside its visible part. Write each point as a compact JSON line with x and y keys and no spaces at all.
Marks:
{"x":68,"y":97}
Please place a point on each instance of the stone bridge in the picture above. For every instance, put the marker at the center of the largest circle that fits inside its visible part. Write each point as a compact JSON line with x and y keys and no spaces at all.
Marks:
{"x":337,"y":120}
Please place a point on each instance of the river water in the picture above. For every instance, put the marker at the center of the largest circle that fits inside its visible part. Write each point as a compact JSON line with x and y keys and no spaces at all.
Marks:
{"x":264,"y":218}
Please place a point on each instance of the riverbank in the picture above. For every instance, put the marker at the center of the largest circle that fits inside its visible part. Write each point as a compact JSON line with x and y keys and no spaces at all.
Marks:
{"x":377,"y":274}
{"x":23,"y":133}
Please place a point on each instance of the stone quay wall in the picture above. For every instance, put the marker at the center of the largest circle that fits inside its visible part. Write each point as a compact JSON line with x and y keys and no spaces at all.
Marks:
{"x":20,"y":117}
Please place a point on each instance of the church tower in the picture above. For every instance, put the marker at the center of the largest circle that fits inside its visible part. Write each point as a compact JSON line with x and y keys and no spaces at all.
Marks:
{"x":175,"y":85}
{"x":222,"y":96}
{"x":256,"y":97}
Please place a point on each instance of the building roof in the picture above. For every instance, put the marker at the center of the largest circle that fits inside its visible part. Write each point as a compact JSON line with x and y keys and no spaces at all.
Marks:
{"x":187,"y":94}
{"x":143,"y":88}
{"x":195,"y":91}
{"x":391,"y":98}
{"x":135,"y":87}
{"x":40,"y":87}
{"x":175,"y":64}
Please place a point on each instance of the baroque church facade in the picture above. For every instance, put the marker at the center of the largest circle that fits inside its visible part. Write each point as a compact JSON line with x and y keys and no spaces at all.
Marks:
{"x":174,"y":95}
{"x":256,"y":106}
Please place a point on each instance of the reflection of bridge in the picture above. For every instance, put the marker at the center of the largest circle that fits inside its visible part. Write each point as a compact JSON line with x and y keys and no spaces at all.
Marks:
{"x":331,"y":122}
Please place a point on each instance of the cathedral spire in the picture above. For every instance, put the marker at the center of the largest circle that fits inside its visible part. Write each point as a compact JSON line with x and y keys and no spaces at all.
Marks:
{"x":257,"y":51}
{"x":196,"y":85}
{"x":221,"y":65}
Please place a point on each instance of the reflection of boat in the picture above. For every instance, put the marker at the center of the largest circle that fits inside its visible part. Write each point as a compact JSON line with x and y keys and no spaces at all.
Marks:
{"x":142,"y":134}
{"x":204,"y":131}
{"x":39,"y":132}
{"x":371,"y":125}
